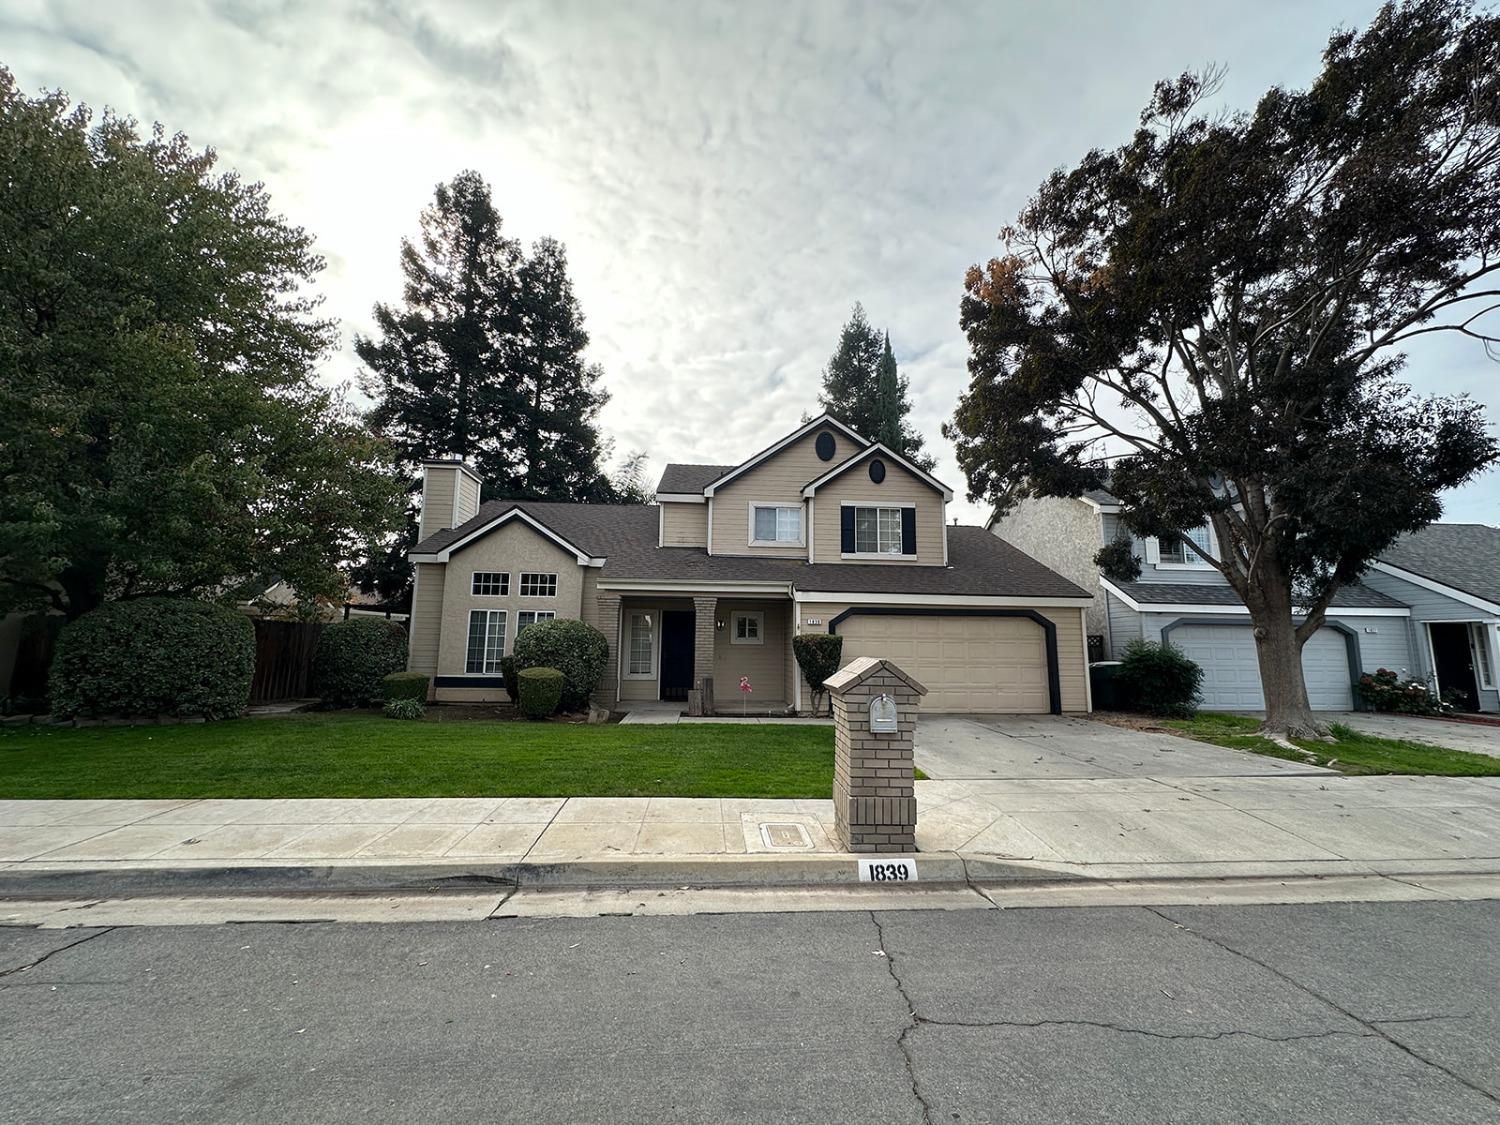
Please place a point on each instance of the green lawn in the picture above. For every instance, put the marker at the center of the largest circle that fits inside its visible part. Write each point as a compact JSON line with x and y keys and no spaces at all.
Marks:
{"x":1353,"y":752}
{"x":361,"y":755}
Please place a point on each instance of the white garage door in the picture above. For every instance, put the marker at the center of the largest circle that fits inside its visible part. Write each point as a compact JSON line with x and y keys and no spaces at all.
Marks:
{"x":1231,"y":675}
{"x":967,"y":664}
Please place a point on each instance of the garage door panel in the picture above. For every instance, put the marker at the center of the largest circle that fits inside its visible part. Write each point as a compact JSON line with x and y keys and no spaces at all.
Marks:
{"x":1231,"y":672}
{"x":974,"y":664}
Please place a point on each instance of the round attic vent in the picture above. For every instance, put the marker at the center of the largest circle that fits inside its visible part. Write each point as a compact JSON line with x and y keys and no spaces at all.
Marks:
{"x":877,"y":470}
{"x":825,"y":446}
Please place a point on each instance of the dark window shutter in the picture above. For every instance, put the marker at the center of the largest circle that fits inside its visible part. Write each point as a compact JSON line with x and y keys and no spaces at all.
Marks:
{"x":846,"y":530}
{"x":908,"y":531}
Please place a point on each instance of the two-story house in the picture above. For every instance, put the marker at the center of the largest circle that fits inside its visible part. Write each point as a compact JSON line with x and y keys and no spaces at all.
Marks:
{"x":822,"y":531}
{"x":1430,"y":608}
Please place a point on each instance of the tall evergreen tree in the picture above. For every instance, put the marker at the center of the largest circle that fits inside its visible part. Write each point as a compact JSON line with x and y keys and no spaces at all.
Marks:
{"x":863,"y":387}
{"x":483,"y":360}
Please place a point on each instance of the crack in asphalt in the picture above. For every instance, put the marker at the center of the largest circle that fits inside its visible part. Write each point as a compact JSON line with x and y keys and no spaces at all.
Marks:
{"x":1121,"y":1028}
{"x":54,"y":952}
{"x":913,"y":1021}
{"x":1373,"y":1025}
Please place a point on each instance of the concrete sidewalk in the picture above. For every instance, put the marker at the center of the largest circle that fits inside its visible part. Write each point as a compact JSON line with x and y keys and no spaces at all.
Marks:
{"x":1090,"y":828}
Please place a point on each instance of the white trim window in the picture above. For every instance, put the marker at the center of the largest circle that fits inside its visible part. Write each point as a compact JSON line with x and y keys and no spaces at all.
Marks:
{"x":773,"y":525}
{"x":538,"y":585}
{"x":746,"y":628}
{"x":1172,"y":551}
{"x":1484,"y":667}
{"x":527,"y":617}
{"x":486,"y":642}
{"x":490,"y":584}
{"x":877,"y":531}
{"x":640,"y":653}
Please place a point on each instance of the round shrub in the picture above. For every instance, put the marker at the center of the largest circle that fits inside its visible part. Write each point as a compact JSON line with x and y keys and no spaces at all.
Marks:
{"x":406,"y":685}
{"x":404,"y":707}
{"x":352,"y":659}
{"x":154,"y":656}
{"x":541,"y":691}
{"x":576,"y":650}
{"x":1159,"y":679}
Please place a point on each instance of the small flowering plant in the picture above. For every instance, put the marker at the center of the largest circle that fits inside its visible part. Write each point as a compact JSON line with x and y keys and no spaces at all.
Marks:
{"x":1385,"y":690}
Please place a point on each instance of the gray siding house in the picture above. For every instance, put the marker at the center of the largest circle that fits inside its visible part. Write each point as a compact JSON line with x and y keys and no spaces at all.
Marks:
{"x":1430,"y":609}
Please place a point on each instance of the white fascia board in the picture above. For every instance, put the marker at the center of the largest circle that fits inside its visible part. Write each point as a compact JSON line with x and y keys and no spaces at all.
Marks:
{"x":446,"y":553}
{"x":689,"y":587}
{"x":855,"y":597}
{"x":1436,"y":587}
{"x":681,"y":498}
{"x":1239,"y":610}
{"x":800,"y":432}
{"x":869,"y":451}
{"x":1105,"y":509}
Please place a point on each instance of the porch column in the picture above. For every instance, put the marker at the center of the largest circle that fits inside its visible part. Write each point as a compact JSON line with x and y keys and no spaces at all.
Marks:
{"x":609,"y":625}
{"x":703,"y":644}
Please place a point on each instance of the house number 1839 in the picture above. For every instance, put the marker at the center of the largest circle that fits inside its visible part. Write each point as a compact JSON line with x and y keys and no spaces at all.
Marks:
{"x":901,"y":869}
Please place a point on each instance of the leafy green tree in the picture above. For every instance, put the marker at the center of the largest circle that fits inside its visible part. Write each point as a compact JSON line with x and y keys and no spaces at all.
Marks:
{"x":863,"y":387}
{"x":160,"y":428}
{"x":1219,"y":307}
{"x":482,"y":360}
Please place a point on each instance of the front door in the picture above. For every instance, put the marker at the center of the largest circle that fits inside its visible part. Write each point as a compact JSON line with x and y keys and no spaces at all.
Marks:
{"x":1453,"y":659}
{"x":677,"y":653}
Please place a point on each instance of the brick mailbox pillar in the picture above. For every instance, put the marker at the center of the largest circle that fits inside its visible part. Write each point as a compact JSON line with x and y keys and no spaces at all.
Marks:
{"x":874,"y":804}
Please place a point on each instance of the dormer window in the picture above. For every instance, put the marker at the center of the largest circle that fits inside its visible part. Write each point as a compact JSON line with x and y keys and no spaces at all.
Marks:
{"x":773,"y":525}
{"x":1174,"y":551}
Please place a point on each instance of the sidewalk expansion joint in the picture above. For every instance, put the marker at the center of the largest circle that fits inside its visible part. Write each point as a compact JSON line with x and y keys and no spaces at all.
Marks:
{"x":1374,"y":1026}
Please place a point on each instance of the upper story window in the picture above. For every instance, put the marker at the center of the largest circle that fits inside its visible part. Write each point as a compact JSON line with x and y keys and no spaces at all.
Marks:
{"x":490,"y":584}
{"x":538,"y":585}
{"x":775,"y":523}
{"x":877,"y":531}
{"x":1173,"y":551}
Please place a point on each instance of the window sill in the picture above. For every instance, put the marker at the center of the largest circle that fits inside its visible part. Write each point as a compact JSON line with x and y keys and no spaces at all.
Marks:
{"x":884,"y":556}
{"x":785,"y":543}
{"x":737,"y":641}
{"x":1183,"y":566}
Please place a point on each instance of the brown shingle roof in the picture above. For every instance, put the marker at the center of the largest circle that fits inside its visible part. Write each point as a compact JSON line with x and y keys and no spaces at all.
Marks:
{"x":1196,"y":593}
{"x":980,"y":564}
{"x":690,"y":478}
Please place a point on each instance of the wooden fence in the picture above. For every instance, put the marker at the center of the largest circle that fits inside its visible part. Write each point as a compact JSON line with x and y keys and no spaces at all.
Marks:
{"x":283,"y":659}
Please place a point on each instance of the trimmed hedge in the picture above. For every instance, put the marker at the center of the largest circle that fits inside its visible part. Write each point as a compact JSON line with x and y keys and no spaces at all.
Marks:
{"x":1159,"y":679}
{"x":406,"y":685}
{"x":576,"y":650}
{"x":541,"y":691}
{"x":154,"y":656}
{"x":818,"y":656}
{"x":354,"y":657}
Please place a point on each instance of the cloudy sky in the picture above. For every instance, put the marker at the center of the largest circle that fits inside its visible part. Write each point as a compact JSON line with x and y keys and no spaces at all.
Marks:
{"x":728,"y":177}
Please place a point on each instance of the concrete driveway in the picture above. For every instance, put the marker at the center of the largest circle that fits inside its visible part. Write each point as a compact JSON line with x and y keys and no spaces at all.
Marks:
{"x":1477,"y":738}
{"x":1000,"y":747}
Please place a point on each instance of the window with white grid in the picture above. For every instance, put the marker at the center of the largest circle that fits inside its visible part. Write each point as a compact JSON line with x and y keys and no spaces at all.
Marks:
{"x":490,"y":584}
{"x":486,"y":641}
{"x":538,"y":585}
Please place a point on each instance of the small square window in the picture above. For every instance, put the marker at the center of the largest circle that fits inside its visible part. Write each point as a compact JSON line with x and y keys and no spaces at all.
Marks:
{"x":490,"y":584}
{"x":747,"y":629}
{"x":538,"y":585}
{"x":775,"y":523}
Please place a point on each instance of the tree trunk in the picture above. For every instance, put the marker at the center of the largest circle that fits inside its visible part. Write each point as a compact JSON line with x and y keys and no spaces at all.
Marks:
{"x":1279,"y":653}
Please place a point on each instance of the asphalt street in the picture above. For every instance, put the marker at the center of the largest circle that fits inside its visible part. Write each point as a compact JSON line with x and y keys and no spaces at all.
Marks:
{"x":1325,"y":1013}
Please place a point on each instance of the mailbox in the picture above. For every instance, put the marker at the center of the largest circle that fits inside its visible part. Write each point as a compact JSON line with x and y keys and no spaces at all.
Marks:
{"x":883,"y":714}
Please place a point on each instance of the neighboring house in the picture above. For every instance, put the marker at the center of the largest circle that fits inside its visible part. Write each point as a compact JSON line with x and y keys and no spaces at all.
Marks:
{"x":1449,"y":574}
{"x":279,"y":601}
{"x":821,"y":532}
{"x":1392,"y":620}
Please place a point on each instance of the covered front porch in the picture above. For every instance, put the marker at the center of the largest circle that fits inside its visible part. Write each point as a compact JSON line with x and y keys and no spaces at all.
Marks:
{"x":673,"y":653}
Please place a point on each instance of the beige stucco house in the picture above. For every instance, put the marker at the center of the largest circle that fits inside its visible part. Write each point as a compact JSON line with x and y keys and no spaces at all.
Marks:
{"x":823,"y":531}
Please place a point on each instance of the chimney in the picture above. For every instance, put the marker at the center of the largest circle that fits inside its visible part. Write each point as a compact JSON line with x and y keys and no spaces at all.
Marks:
{"x":450,"y":495}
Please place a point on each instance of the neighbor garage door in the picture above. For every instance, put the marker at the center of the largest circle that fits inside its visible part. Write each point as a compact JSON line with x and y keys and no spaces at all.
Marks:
{"x":1231,"y":675}
{"x":974,"y":664}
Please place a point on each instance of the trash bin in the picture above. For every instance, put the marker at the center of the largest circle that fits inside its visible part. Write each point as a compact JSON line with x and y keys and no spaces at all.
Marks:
{"x":1109,"y":693}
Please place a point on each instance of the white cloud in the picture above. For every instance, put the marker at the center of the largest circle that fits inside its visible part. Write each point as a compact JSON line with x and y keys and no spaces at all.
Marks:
{"x":728,"y":178}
